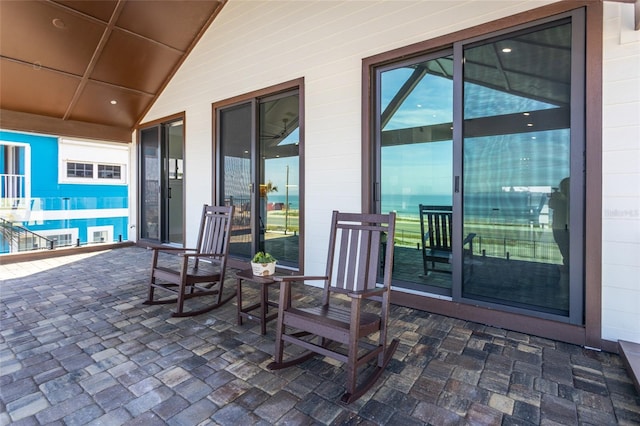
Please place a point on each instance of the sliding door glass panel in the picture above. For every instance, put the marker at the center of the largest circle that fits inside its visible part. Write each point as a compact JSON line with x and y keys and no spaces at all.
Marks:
{"x":279,"y":139}
{"x":414,"y":120}
{"x":516,"y":168}
{"x":235,"y":126}
{"x":150,"y":174}
{"x":175,"y":177}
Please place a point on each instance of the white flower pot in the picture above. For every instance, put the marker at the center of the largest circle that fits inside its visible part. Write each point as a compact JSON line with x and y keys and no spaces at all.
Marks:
{"x":263,"y":269}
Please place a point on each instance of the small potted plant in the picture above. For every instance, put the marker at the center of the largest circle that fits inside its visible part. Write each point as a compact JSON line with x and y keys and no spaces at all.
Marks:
{"x":263,"y":264}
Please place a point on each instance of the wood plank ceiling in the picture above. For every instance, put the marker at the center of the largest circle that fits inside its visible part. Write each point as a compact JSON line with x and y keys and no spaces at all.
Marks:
{"x":92,"y":68}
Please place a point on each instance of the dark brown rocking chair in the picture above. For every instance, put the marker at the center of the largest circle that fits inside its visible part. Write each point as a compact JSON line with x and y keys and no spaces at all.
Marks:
{"x":193,"y":278}
{"x":350,"y":324}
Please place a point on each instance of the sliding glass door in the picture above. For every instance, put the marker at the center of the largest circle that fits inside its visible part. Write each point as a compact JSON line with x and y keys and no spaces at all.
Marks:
{"x":479,"y":151}
{"x":236,"y":174}
{"x":416,"y":163}
{"x":259,"y":174}
{"x":519,"y":139}
{"x":161,"y":182}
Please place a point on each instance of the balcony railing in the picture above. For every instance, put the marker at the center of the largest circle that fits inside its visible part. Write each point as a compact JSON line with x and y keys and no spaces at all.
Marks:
{"x":56,"y":222}
{"x":15,"y":238}
{"x":12,"y":190}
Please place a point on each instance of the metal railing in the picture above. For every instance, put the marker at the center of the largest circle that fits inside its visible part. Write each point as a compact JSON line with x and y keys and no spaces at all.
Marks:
{"x":497,"y":247}
{"x":16,"y":239}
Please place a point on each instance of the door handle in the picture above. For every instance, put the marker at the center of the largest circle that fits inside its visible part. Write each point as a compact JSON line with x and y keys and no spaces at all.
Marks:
{"x":456,"y":184}
{"x":169,"y":194}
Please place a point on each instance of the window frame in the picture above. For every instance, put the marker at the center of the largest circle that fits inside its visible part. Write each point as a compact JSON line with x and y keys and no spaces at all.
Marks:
{"x":589,"y":333}
{"x":95,"y":178}
{"x":86,"y":167}
{"x":75,"y":151}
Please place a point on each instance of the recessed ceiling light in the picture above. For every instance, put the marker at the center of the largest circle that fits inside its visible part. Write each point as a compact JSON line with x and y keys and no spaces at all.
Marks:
{"x":113,"y":102}
{"x":529,"y":124}
{"x":506,"y":50}
{"x":526,"y":113}
{"x":58,"y":23}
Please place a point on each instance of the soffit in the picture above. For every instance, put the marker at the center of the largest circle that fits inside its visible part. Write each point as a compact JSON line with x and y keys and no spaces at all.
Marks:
{"x":65,"y":61}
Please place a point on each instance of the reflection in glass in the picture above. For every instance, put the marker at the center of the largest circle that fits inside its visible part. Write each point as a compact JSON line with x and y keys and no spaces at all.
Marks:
{"x":150,"y":188}
{"x":416,"y":156}
{"x":235,"y":187}
{"x":279,"y":181}
{"x":516,"y":155}
{"x":175,"y":172}
{"x":259,"y":145}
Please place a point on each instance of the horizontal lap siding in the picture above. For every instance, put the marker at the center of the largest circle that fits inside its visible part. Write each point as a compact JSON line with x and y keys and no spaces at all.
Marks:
{"x":257,"y":44}
{"x":621,"y":175}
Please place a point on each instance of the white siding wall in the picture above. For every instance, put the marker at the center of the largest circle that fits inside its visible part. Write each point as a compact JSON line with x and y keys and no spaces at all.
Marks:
{"x":621,"y":176}
{"x":256,"y":44}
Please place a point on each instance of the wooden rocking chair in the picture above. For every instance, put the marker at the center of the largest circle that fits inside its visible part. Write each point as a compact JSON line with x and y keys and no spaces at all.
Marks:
{"x":193,"y":278}
{"x":350,"y":324}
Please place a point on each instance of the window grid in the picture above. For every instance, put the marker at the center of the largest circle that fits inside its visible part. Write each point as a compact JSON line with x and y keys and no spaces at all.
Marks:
{"x":80,"y":170}
{"x":106,"y":171}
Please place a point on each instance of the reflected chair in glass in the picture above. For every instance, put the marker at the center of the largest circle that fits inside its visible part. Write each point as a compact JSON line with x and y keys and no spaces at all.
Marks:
{"x":435,"y":229}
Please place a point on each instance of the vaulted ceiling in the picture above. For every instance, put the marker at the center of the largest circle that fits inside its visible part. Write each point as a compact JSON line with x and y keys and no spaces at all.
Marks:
{"x":92,"y":68}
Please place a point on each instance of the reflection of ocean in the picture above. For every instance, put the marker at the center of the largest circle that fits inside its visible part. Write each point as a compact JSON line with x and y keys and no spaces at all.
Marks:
{"x":503,"y":207}
{"x":407,"y":205}
{"x":403,"y":205}
{"x":294,"y":201}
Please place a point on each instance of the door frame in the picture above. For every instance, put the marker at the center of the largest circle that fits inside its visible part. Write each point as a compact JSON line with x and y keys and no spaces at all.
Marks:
{"x":160,"y":123}
{"x":265,"y":93}
{"x":589,"y":334}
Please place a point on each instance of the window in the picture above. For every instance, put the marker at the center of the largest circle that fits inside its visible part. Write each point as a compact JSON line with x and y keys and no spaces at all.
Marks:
{"x":80,"y":170}
{"x":100,"y":234}
{"x":92,"y":163}
{"x":93,"y":173}
{"x":108,"y":172}
{"x":492,"y":130}
{"x":61,"y":237}
{"x":99,"y":237}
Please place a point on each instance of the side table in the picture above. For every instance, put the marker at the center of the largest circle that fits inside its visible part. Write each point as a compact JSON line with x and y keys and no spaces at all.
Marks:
{"x":263,"y":315}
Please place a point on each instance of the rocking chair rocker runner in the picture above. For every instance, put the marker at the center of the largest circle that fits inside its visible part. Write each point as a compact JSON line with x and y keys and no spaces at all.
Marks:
{"x":353,"y":332}
{"x":194,"y":278}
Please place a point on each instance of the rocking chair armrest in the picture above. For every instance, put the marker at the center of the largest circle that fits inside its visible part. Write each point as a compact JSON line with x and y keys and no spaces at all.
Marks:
{"x":170,"y":249}
{"x":293,"y":278}
{"x":361,"y":294}
{"x":209,"y":255}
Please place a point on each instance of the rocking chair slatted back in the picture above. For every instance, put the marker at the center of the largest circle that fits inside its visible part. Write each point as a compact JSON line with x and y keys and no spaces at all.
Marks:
{"x":357,"y":249}
{"x":214,"y":237}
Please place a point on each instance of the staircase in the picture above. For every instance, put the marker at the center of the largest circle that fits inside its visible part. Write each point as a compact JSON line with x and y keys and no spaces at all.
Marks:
{"x":15,"y":239}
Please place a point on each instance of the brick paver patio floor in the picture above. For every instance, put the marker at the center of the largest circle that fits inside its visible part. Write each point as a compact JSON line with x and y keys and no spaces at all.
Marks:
{"x":77,"y":347}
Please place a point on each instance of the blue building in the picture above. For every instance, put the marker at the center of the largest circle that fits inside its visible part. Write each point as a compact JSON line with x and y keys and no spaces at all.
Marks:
{"x":68,"y":191}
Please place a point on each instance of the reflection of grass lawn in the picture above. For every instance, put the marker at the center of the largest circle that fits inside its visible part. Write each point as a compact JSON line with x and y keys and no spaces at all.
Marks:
{"x":520,"y":241}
